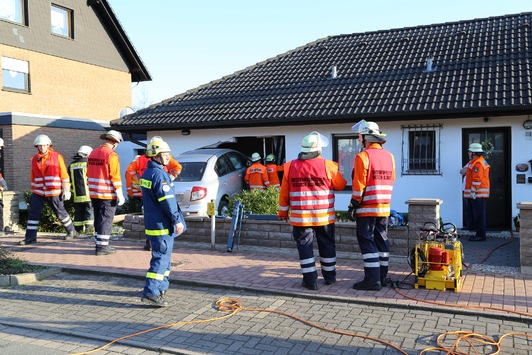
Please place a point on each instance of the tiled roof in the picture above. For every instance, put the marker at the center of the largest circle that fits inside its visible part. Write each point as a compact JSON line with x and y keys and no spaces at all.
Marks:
{"x":479,"y":67}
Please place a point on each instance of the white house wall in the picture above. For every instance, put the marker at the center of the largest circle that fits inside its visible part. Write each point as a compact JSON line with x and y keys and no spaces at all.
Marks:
{"x":446,"y":187}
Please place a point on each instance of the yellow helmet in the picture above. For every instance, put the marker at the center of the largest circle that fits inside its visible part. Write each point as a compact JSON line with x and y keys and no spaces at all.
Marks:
{"x":156,"y":147}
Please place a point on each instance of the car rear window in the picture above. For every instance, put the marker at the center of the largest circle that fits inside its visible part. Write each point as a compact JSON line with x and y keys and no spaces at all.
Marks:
{"x":192,"y":171}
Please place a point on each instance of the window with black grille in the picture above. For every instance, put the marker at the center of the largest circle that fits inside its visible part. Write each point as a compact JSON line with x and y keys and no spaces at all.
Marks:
{"x":421,"y":149}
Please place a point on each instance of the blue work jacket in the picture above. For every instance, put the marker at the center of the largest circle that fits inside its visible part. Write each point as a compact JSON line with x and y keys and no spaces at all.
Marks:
{"x":161,"y":210}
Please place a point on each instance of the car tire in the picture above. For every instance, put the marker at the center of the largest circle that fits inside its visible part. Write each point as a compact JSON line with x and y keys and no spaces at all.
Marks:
{"x":223,"y":208}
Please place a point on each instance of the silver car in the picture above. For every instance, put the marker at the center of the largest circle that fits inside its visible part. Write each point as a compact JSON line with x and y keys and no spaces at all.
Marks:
{"x":209,"y":174}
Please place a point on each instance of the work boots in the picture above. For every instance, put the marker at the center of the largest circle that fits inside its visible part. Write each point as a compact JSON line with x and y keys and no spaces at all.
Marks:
{"x":27,"y":241}
{"x":105,"y":250}
{"x":367,"y":286}
{"x":70,"y":235}
{"x":156,"y":301}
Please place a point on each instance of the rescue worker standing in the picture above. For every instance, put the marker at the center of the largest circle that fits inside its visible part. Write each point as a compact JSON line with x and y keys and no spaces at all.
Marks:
{"x":137,"y":167}
{"x":163,"y":221}
{"x":273,"y":171}
{"x":373,"y":179}
{"x":256,"y":174}
{"x":105,"y":188}
{"x":307,"y":192}
{"x":83,"y":216}
{"x":49,"y":182}
{"x":477,"y":190}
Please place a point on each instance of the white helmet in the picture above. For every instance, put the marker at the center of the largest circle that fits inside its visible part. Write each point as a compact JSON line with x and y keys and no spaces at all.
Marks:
{"x":85,"y":150}
{"x":314,"y":142}
{"x":156,"y":147}
{"x":255,"y":157}
{"x":369,"y":130}
{"x":113,"y":135}
{"x":476,"y":148}
{"x":42,"y":139}
{"x":270,"y":158}
{"x":1,"y":142}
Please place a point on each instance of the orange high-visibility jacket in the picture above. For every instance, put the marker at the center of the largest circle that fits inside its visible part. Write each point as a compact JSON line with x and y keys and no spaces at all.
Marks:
{"x":373,"y":178}
{"x":257,"y":176}
{"x":137,"y":167}
{"x":48,"y":174}
{"x":103,"y":173}
{"x":307,"y":191}
{"x":477,"y":178}
{"x":273,"y":174}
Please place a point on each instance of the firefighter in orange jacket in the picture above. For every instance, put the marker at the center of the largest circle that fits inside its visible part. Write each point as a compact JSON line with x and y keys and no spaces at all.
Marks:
{"x":273,"y":171}
{"x":256,"y":174}
{"x":105,"y":188}
{"x":373,"y":179}
{"x":307,"y":191}
{"x":477,"y":189}
{"x":137,"y":167}
{"x":49,"y":182}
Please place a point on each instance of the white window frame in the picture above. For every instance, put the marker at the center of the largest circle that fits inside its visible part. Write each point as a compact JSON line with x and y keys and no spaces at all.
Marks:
{"x":13,"y":68}
{"x":61,"y":21}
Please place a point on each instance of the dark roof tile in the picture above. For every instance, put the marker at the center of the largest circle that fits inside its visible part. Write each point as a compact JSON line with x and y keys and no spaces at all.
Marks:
{"x":477,"y":65}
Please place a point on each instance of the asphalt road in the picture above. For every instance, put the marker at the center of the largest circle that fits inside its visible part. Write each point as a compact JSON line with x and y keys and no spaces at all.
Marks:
{"x":73,"y":313}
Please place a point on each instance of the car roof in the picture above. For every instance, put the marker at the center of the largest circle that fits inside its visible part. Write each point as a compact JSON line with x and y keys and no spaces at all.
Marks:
{"x":204,"y":154}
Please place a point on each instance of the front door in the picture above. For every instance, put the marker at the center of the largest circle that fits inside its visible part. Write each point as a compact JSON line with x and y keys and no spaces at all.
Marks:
{"x":496,"y":143}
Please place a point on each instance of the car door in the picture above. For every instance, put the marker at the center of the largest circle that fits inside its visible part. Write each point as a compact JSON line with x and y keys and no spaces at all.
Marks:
{"x":226,"y":179}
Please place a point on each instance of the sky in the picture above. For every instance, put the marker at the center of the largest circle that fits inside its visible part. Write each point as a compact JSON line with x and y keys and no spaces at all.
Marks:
{"x":188,"y":43}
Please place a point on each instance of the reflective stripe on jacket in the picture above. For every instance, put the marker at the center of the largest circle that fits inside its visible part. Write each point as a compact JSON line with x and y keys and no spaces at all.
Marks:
{"x":257,"y":177}
{"x":161,"y":211}
{"x":103,"y":172}
{"x":307,"y":191}
{"x":78,"y":179}
{"x":373,"y":178}
{"x":477,"y":178}
{"x":48,"y":174}
{"x":273,"y":174}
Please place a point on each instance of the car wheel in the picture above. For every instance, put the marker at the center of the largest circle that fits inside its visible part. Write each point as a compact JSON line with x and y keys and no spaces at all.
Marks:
{"x":223,"y":208}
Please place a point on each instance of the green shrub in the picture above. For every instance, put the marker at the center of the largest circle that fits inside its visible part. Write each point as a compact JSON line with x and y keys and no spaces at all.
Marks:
{"x":132,"y":205}
{"x":257,"y":201}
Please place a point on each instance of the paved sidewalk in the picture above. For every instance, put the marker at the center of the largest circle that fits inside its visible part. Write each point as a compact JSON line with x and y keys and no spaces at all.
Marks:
{"x":275,"y":271}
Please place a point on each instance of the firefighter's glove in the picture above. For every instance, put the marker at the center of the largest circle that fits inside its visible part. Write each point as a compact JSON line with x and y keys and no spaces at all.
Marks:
{"x":352,"y":209}
{"x":120,"y":197}
{"x":66,"y":195}
{"x":282,"y":215}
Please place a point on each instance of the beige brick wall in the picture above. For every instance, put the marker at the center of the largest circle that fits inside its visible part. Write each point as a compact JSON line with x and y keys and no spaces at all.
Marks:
{"x":65,"y":88}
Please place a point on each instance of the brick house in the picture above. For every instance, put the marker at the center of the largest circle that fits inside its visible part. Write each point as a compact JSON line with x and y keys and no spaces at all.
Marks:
{"x":67,"y":69}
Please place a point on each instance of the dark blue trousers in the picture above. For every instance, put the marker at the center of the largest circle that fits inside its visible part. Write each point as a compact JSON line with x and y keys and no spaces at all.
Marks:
{"x":372,"y":236}
{"x":304,"y":237}
{"x":478,"y":207}
{"x":34,"y":214}
{"x":161,"y":254}
{"x":104,"y":213}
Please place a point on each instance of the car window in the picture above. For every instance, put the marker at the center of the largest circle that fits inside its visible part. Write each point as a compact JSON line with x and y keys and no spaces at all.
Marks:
{"x":192,"y":171}
{"x":237,"y":160}
{"x":223,"y":166}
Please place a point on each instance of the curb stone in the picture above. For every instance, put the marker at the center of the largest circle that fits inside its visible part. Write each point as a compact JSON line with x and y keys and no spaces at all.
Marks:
{"x":27,"y":278}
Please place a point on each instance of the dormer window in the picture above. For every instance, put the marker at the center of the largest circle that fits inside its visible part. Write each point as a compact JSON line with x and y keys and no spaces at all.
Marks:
{"x":61,"y":21}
